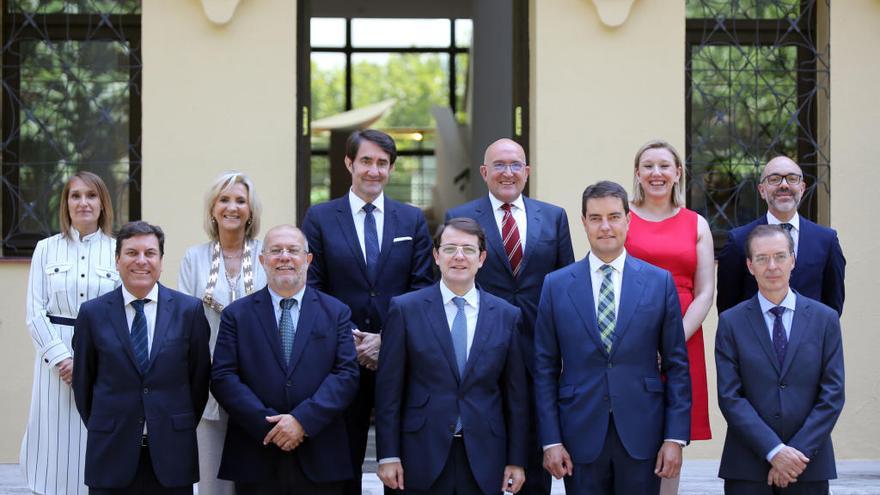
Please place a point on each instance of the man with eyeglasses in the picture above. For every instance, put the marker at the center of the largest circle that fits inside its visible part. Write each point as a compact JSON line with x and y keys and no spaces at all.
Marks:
{"x":451,"y":403}
{"x":819,"y":273}
{"x":526,"y":240}
{"x":367,"y":249}
{"x":285,"y":370}
{"x":779,"y":360}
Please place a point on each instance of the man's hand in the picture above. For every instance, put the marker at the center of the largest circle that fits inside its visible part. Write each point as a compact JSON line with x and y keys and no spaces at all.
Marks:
{"x":65,"y":369}
{"x":776,"y":477}
{"x":287,"y":433}
{"x":391,"y":473}
{"x":514,"y":477}
{"x":367,"y":345}
{"x":557,"y":462}
{"x":668,"y":460}
{"x":790,"y":462}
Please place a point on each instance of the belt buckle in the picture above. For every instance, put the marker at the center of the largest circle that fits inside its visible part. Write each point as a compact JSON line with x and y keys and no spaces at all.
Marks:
{"x":144,"y":442}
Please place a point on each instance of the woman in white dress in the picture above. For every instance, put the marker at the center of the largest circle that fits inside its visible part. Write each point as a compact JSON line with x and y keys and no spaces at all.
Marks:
{"x":219,"y":272}
{"x":67,"y":270}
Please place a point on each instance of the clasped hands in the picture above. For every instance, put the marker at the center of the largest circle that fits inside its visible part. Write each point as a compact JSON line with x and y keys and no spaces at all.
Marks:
{"x":367,"y":345}
{"x":788,"y":464}
{"x":287,"y":433}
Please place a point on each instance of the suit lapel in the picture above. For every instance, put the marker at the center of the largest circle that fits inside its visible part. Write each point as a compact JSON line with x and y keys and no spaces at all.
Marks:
{"x":799,"y":324}
{"x":388,"y":230}
{"x":807,"y":239}
{"x":581,"y":293}
{"x":346,"y":226}
{"x":436,"y":314}
{"x":116,"y":310}
{"x":164,"y":311}
{"x":486,"y":217}
{"x":266,"y":315}
{"x":304,"y":327}
{"x":484,"y":329}
{"x":631,"y":290}
{"x":759,"y":329}
{"x":533,"y":215}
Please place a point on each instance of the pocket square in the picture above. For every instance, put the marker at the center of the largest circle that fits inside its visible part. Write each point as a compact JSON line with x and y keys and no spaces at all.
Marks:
{"x":401,"y":239}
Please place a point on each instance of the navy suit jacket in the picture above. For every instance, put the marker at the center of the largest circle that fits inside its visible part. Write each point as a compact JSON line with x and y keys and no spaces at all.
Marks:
{"x":419,"y":392}
{"x":114,"y":397}
{"x":575,"y":400}
{"x":766,"y":404}
{"x":818,"y":271}
{"x":251,"y":380}
{"x":338,"y":267}
{"x":547,"y":248}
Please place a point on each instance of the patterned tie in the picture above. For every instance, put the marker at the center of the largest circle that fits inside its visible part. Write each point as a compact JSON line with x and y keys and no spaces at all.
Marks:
{"x":605,"y":314}
{"x":510,"y":237}
{"x":139,"y":334}
{"x":459,"y":342}
{"x":780,"y":341}
{"x":787,"y":227}
{"x":371,"y":239}
{"x":288,"y":329}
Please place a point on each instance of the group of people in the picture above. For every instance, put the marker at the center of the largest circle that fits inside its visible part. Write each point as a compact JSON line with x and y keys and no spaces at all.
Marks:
{"x":263,"y":371}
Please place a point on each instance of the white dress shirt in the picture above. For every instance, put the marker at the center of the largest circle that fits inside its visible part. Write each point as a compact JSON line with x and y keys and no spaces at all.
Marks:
{"x":294,"y":311}
{"x":471,"y":310}
{"x":596,"y":277}
{"x":359,"y":215}
{"x":795,"y":227}
{"x":518,"y":210}
{"x":788,"y":302}
{"x":149,"y":312}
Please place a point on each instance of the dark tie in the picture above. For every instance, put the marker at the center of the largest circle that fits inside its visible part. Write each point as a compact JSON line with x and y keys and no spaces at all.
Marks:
{"x":288,"y":329}
{"x":605,"y":314}
{"x":371,"y":238}
{"x":787,"y":227}
{"x":459,"y":342}
{"x":780,"y":341}
{"x":139,"y":334}
{"x":510,"y":237}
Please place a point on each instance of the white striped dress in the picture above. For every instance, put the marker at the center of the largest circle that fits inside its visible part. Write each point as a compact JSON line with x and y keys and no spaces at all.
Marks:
{"x":64,"y":274}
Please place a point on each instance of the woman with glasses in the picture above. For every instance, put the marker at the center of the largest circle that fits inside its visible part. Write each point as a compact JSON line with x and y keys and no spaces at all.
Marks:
{"x":218,"y":272}
{"x":666,"y":234}
{"x":67,"y":270}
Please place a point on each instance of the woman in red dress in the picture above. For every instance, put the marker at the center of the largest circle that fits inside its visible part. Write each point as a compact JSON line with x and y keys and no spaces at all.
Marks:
{"x":666,"y":234}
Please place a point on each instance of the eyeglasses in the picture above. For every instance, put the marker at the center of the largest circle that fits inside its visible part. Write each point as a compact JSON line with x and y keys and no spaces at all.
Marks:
{"x":763,"y":259}
{"x":276,"y":252}
{"x":776,"y":179}
{"x":514,"y":167}
{"x":452,"y":250}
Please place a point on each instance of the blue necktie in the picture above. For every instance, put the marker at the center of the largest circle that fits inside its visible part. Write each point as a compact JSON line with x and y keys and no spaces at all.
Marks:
{"x":605,"y":315}
{"x":371,"y":239}
{"x":459,"y":342}
{"x":780,"y":341}
{"x":139,"y":334}
{"x":288,"y":329}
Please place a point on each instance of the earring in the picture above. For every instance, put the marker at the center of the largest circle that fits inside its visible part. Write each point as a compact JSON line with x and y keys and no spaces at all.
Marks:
{"x":249,"y":221}
{"x":213,"y":220}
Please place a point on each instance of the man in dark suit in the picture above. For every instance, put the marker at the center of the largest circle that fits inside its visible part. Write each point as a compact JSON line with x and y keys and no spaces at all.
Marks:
{"x":820,"y":263}
{"x":605,"y":416}
{"x":367,"y":249}
{"x":285,"y":370}
{"x":140,"y":375}
{"x":780,"y":379}
{"x":451,"y":403}
{"x":526,"y":239}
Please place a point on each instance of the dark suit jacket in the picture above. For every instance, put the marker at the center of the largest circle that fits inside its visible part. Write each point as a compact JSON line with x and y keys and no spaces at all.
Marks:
{"x":818,"y":272}
{"x":252,"y":381}
{"x":548,"y":248}
{"x":114,"y":397}
{"x":419,"y":393}
{"x":575,"y":401}
{"x":765,"y":404}
{"x":338,"y":267}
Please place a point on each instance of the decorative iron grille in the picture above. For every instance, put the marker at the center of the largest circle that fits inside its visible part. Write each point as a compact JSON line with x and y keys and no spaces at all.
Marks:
{"x":756,"y":76}
{"x":71,"y":101}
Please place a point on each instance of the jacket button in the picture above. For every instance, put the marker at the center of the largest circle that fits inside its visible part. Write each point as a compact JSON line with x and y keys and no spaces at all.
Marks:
{"x":141,"y":421}
{"x":146,"y":390}
{"x":56,"y":270}
{"x":781,"y":385}
{"x":610,"y":365}
{"x":83,"y":275}
{"x":288,"y":383}
{"x":452,"y":428}
{"x":776,"y":416}
{"x":366,"y":321}
{"x":372,"y":293}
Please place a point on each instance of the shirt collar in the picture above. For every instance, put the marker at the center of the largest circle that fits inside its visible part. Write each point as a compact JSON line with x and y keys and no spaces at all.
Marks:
{"x":497,"y":203}
{"x":357,"y":203}
{"x":795,"y":221}
{"x":153,"y":295}
{"x":74,"y":234}
{"x":472,"y":297}
{"x":617,"y":263}
{"x":276,"y":298}
{"x":788,"y":302}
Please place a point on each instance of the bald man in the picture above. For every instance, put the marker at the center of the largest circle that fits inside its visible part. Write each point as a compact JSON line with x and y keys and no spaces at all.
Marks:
{"x":819,"y":271}
{"x":526,"y":239}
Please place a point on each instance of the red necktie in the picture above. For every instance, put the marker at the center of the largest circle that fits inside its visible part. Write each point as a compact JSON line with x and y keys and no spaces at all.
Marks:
{"x":510,"y":237}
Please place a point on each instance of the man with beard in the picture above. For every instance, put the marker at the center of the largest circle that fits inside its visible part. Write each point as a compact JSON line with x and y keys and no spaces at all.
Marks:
{"x":819,"y":271}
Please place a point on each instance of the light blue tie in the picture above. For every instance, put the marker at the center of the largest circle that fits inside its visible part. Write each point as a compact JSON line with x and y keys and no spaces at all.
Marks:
{"x":139,"y":334}
{"x":288,"y":329}
{"x":605,"y":315}
{"x":459,"y":342}
{"x":371,"y":239}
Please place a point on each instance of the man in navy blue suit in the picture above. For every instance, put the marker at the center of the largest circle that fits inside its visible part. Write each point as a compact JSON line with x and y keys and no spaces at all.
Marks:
{"x":285,"y":370}
{"x":451,"y":403}
{"x":526,"y":239}
{"x":606,"y":419}
{"x":367,"y":249}
{"x":140,"y":375}
{"x":820,"y":263}
{"x":780,"y":379}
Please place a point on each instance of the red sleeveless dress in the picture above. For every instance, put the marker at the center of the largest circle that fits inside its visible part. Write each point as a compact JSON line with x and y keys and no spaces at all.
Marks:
{"x":671,"y":244}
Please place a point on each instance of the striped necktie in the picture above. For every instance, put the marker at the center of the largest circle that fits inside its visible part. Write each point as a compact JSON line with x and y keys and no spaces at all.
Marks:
{"x":510,"y":237}
{"x":139,"y":334}
{"x":287,"y":327}
{"x":605,"y":313}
